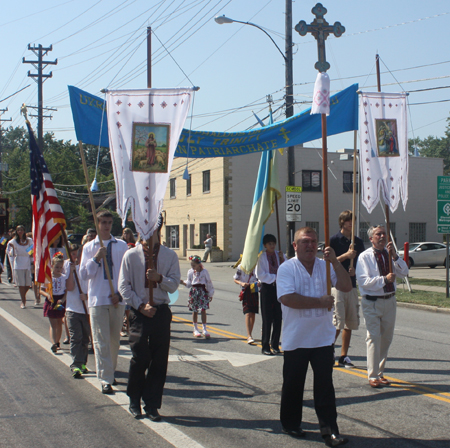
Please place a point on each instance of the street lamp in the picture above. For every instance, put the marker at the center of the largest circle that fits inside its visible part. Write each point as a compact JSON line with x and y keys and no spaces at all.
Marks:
{"x":223,"y":19}
{"x":289,"y":80}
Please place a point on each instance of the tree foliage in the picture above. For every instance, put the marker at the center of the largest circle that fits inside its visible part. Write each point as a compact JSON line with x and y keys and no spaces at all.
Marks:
{"x":434,"y":147}
{"x":64,"y":164}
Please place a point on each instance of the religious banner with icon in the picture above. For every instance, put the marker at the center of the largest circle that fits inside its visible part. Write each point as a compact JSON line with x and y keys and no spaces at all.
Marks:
{"x":144,"y":129}
{"x":384,"y":149}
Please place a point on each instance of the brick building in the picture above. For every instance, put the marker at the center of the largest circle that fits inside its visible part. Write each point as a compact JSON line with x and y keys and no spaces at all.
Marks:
{"x":218,"y":198}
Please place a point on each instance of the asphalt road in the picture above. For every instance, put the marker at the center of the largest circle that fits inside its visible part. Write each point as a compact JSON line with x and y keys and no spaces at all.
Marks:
{"x":219,"y":392}
{"x":438,"y":273}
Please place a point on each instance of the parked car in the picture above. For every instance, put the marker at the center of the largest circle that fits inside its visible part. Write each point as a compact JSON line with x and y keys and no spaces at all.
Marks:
{"x":426,"y":254}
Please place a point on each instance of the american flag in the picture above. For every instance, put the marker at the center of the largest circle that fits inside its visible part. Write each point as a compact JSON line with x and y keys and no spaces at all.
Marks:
{"x":47,"y":212}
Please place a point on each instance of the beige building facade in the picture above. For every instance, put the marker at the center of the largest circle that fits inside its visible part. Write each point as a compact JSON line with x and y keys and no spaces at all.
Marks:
{"x":219,"y":195}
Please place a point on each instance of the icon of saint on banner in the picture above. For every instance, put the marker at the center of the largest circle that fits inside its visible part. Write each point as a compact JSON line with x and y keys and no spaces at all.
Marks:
{"x":387,"y":138}
{"x":150,"y":148}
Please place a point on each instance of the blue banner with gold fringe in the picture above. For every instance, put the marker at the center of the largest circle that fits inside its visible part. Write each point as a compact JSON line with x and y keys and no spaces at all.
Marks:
{"x":296,"y":130}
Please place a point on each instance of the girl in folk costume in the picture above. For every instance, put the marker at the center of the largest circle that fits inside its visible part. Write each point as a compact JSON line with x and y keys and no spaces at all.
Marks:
{"x":249,"y":298}
{"x":55,"y":298}
{"x":200,"y":294}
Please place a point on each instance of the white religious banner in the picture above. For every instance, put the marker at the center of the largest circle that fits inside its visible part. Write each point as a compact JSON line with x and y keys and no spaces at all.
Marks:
{"x":384,"y":149}
{"x":321,"y":96}
{"x":144,"y":129}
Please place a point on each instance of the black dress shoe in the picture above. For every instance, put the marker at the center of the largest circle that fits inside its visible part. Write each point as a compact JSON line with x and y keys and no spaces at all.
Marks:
{"x":107,"y":389}
{"x":266,"y":351}
{"x":294,"y":432}
{"x":115,"y":383}
{"x":152,"y":414}
{"x":334,"y":440}
{"x":135,"y":408}
{"x":276,"y":351}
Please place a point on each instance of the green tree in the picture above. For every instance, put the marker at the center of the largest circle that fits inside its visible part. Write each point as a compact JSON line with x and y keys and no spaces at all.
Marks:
{"x":64,"y":164}
{"x":434,"y":147}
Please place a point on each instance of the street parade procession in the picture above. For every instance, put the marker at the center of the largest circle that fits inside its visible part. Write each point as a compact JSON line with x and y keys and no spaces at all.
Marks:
{"x":142,"y":287}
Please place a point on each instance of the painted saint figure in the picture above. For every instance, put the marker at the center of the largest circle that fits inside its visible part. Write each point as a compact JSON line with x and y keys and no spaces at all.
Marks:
{"x":151,"y":144}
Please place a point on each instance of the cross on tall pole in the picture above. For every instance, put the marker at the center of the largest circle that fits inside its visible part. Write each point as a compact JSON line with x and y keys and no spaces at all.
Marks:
{"x":321,"y":29}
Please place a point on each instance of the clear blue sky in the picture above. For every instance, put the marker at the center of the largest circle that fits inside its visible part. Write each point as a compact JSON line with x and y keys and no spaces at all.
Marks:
{"x":101,"y":44}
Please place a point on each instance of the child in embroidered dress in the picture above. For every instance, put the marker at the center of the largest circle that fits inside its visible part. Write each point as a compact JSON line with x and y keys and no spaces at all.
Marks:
{"x":200,"y":294}
{"x":54,"y":303}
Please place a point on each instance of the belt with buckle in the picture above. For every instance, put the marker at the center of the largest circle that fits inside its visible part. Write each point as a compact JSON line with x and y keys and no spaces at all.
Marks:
{"x":373,"y":298}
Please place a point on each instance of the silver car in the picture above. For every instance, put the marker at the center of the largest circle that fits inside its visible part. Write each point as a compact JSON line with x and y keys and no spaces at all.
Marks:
{"x":426,"y":254}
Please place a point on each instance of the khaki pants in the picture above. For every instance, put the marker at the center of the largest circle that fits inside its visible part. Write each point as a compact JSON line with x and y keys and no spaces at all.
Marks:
{"x":106,"y":323}
{"x":380,"y":322}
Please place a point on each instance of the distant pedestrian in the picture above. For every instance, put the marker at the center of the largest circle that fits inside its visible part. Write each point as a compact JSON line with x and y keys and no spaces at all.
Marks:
{"x":266,"y":272}
{"x":19,"y":251}
{"x":200,"y":294}
{"x":208,"y":247}
{"x":249,"y":297}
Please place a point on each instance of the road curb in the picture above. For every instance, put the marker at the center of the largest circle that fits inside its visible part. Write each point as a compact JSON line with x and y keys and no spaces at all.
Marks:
{"x":418,"y":306}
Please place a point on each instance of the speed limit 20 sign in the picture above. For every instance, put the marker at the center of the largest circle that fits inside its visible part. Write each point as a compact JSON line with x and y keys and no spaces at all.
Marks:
{"x":293,"y":203}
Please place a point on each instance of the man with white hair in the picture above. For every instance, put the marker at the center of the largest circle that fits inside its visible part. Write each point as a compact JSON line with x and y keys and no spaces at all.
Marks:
{"x":377,"y":287}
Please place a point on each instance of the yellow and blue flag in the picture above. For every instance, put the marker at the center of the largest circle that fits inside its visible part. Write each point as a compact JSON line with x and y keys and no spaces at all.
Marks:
{"x":267,"y":191}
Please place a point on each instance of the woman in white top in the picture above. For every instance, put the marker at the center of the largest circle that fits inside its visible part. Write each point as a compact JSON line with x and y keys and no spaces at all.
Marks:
{"x":18,"y":250}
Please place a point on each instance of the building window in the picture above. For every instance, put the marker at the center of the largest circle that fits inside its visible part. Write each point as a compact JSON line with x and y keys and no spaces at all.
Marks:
{"x":206,"y":181}
{"x":417,"y":232}
{"x":348,"y":182}
{"x":173,"y":236}
{"x":311,"y":180}
{"x":188,"y":185}
{"x":363,"y":228}
{"x":314,"y":225}
{"x":173,"y":188}
{"x":211,"y":229}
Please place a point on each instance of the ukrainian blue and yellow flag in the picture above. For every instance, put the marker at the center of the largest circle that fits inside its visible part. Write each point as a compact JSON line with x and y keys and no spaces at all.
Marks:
{"x":267,"y":191}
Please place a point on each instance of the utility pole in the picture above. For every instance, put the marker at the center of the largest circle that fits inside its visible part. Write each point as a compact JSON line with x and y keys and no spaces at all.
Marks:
{"x":290,"y":226}
{"x":149,"y":57}
{"x":40,"y":78}
{"x":2,"y":111}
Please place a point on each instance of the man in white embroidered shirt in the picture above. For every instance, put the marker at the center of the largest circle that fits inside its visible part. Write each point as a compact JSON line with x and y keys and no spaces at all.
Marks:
{"x":379,"y":306}
{"x":149,"y":325}
{"x":106,"y":309}
{"x":308,"y":334}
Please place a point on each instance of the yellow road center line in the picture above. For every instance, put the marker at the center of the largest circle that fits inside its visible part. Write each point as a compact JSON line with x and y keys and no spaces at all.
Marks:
{"x":416,"y":388}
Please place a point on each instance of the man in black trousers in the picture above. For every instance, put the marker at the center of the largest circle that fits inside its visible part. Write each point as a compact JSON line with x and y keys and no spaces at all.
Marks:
{"x":149,"y":325}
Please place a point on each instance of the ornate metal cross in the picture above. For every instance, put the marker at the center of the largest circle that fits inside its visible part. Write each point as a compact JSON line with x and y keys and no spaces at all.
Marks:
{"x":320,"y":29}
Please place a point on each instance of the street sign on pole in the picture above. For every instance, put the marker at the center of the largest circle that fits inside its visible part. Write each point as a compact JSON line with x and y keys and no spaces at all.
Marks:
{"x":443,"y":188}
{"x":443,"y":204}
{"x":293,"y":204}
